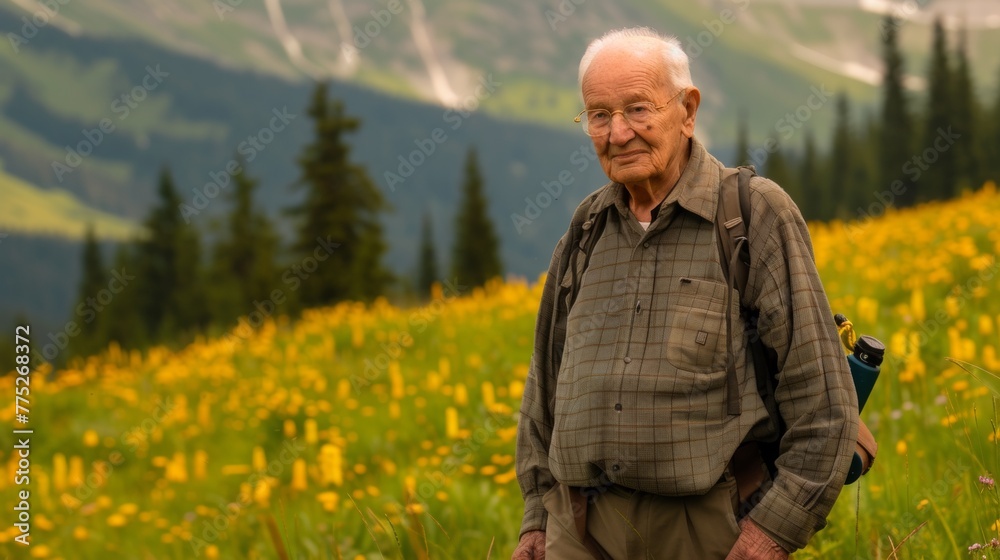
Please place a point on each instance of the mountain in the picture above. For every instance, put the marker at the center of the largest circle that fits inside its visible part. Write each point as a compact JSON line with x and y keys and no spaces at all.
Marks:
{"x":191,"y":84}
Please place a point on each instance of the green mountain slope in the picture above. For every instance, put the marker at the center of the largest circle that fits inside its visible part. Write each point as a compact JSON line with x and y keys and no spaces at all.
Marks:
{"x":761,"y":55}
{"x":394,"y":62}
{"x":56,"y":213}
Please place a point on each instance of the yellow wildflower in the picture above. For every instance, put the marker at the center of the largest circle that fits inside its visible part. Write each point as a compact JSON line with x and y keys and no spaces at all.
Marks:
{"x":90,"y":438}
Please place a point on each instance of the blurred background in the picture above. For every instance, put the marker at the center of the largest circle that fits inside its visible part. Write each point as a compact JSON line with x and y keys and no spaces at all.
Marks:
{"x":194,"y":192}
{"x":507,"y":70}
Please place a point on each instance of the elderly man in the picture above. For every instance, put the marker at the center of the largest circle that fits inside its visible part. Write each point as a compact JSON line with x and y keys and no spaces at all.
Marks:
{"x":625,"y":439}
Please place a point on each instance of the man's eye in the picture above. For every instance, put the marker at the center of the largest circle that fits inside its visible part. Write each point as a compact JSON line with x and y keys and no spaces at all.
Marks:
{"x":599,"y":116}
{"x":637,"y":110}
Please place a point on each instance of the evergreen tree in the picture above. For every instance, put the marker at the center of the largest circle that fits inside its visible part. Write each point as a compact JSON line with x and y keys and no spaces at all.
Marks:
{"x":169,"y":270}
{"x":896,"y":135}
{"x":864,"y":169}
{"x":779,"y":170}
{"x":476,"y":257}
{"x":427,"y":272}
{"x":838,"y":196}
{"x":122,"y":319}
{"x":93,"y":280}
{"x":338,"y":217}
{"x":992,"y":143}
{"x":938,"y":180}
{"x":810,"y":180}
{"x":243,"y":270}
{"x":967,"y":146}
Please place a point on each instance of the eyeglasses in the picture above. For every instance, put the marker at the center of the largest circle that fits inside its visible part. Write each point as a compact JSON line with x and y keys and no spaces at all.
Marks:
{"x":597,"y":122}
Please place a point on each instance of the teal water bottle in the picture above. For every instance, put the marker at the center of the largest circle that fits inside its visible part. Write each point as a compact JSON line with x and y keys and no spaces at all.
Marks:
{"x":865,"y":362}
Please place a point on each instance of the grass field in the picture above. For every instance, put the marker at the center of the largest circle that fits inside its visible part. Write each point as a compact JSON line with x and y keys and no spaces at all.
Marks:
{"x":380,"y":432}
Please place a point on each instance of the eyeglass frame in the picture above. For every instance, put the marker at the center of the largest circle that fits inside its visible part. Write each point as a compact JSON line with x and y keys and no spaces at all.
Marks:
{"x":579,"y":117}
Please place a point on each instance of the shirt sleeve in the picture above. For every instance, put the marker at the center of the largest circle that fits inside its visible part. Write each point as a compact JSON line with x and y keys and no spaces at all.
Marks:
{"x":534,"y":428}
{"x":815,"y":392}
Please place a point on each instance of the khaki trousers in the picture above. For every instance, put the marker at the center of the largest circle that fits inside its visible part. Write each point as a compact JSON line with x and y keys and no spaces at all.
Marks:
{"x":629,"y":524}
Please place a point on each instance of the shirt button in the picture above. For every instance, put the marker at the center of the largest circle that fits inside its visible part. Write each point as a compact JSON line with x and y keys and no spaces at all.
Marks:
{"x":615,"y":467}
{"x":618,"y":407}
{"x":627,"y":360}
{"x":646,"y":244}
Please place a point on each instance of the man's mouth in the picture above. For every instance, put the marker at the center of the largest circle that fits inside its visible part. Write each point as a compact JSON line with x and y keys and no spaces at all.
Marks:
{"x":628,"y":154}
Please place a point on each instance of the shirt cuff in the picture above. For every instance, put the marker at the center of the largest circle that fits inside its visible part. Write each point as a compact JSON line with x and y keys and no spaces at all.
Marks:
{"x":535,"y":516}
{"x":785,"y":521}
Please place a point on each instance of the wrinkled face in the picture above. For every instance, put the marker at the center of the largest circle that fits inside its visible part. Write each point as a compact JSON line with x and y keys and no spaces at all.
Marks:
{"x":628,"y":73}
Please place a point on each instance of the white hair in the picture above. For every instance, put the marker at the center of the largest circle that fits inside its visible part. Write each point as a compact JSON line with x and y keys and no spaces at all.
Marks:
{"x":675,"y":60}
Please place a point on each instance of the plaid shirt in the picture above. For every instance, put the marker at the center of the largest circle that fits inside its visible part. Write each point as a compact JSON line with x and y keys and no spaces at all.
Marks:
{"x":629,"y":388}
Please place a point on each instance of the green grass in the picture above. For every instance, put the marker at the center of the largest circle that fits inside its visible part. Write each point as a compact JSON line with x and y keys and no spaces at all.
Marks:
{"x":379,"y":383}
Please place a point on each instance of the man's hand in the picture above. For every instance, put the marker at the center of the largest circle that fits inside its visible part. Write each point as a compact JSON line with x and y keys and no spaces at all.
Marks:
{"x":752,"y":544}
{"x":531,"y":546}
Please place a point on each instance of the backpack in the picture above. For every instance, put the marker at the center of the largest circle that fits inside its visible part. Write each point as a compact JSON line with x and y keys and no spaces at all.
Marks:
{"x":732,"y":220}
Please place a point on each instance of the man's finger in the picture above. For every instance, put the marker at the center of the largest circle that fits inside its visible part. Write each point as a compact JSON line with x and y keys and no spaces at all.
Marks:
{"x":523,"y":552}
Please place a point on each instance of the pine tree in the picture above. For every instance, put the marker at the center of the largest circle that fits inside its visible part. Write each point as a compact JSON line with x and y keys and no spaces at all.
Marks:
{"x":810,"y":180}
{"x":779,"y":170}
{"x":243,"y":270}
{"x":895,"y":145}
{"x":864,"y":169}
{"x":122,"y":318}
{"x":427,"y":272}
{"x":938,"y":179}
{"x":88,"y":311}
{"x":476,"y":256}
{"x":169,"y":270}
{"x":967,"y":146}
{"x":992,"y":143}
{"x":338,"y":217}
{"x":838,"y":195}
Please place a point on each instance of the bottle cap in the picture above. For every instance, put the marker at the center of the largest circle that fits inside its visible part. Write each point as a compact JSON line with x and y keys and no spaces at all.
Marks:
{"x":869,"y":350}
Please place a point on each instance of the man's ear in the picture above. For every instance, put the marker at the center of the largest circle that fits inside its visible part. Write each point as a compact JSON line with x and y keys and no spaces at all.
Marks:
{"x":692,"y":99}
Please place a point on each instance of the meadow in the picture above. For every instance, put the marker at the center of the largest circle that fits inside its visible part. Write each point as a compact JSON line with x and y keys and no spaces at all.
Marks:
{"x":384,"y":432}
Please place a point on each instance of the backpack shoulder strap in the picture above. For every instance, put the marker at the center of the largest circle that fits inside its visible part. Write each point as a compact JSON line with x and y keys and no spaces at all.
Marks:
{"x":732,"y":220}
{"x":733,"y":223}
{"x":585,"y":232}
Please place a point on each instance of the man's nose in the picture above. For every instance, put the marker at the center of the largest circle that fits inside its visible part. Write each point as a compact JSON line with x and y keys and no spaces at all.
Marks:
{"x":621,"y":130}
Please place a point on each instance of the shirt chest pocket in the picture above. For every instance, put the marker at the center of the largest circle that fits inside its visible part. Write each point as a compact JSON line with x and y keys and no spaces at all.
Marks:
{"x":696,"y":326}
